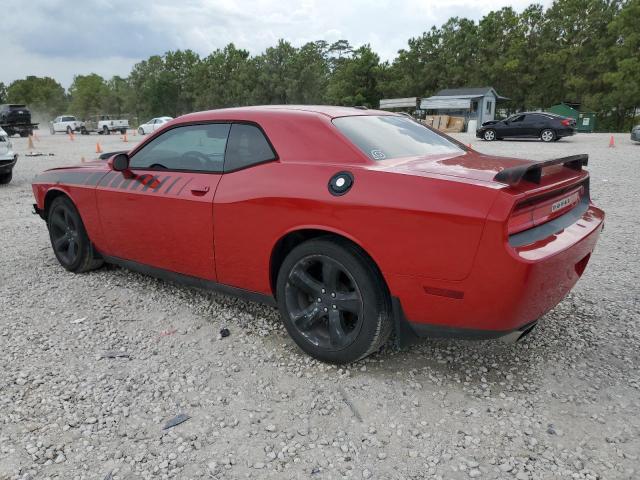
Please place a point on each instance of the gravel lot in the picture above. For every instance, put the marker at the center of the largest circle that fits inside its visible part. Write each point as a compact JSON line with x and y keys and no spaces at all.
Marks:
{"x":93,"y":365}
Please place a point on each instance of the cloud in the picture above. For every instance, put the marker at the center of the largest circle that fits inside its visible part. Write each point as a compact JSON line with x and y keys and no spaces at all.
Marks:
{"x":61,"y":38}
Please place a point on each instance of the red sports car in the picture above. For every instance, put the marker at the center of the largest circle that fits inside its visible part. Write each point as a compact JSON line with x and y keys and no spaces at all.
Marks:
{"x":355,"y":223}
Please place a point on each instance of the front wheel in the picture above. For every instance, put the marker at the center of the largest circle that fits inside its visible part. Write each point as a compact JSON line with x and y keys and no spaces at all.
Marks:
{"x":69,"y":131}
{"x":489,"y":135}
{"x":547,"y":135}
{"x":69,"y":239}
{"x":141,"y":131}
{"x":332,"y":301}
{"x":105,"y":130}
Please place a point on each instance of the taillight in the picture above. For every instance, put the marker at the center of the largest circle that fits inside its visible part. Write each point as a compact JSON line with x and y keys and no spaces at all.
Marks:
{"x":531,"y":212}
{"x":566,"y":122}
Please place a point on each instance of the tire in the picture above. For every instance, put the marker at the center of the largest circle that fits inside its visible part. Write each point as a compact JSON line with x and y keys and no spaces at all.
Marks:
{"x":547,"y":135}
{"x":489,"y":135}
{"x":141,"y":131}
{"x":123,"y":131}
{"x":24,"y":134}
{"x":69,"y":239}
{"x":6,"y":178}
{"x":105,"y":130}
{"x":69,"y":131}
{"x":83,"y":131}
{"x":343,"y":315}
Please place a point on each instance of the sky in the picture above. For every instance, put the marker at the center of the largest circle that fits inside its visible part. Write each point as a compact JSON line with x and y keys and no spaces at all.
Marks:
{"x":61,"y":39}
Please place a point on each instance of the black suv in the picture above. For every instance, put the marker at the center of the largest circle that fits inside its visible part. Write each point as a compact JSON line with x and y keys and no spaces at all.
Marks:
{"x":16,"y":118}
{"x":548,"y":127}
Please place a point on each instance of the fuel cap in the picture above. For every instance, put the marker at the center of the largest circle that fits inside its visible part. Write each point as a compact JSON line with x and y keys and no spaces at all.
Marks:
{"x":340,"y":183}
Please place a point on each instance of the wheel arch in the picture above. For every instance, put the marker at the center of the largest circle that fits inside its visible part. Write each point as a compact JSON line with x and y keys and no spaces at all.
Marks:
{"x":50,"y":196}
{"x":295,"y":237}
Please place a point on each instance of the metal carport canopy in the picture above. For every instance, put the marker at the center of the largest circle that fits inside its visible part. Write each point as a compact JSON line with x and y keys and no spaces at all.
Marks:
{"x":459,"y":102}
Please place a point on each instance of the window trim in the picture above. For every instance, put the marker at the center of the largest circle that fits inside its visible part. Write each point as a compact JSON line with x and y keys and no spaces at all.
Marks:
{"x":205,"y":122}
{"x":264,"y":134}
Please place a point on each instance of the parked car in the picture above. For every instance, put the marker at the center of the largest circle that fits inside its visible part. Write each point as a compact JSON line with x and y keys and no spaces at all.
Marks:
{"x":635,"y":133}
{"x":16,"y":118}
{"x":353,"y":222}
{"x":548,"y":127}
{"x":153,"y":124}
{"x":65,"y":124}
{"x":8,"y":158}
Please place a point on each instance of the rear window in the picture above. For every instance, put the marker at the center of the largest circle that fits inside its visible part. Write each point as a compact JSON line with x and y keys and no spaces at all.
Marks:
{"x":384,"y":137}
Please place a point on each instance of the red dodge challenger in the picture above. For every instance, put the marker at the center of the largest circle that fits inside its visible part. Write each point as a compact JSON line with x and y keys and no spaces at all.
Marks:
{"x":354,"y":223}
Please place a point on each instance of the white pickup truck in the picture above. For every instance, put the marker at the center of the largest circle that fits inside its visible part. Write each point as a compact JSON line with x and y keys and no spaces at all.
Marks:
{"x":105,"y":124}
{"x":65,"y":124}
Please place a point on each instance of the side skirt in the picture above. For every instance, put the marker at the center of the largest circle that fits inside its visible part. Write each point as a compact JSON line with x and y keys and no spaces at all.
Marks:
{"x":192,"y":281}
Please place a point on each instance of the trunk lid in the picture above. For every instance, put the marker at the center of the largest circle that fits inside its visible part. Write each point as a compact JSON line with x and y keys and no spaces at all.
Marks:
{"x":465,"y":164}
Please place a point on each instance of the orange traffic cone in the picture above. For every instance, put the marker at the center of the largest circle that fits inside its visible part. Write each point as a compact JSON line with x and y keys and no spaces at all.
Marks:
{"x":134,"y":132}
{"x":72,"y":137}
{"x":124,"y":139}
{"x":30,"y":144}
{"x":612,"y":142}
{"x":98,"y":148}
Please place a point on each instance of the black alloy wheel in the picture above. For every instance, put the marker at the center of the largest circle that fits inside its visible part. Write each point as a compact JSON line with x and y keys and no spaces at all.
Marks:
{"x":333,"y":301}
{"x":324,"y":302}
{"x":69,"y":239}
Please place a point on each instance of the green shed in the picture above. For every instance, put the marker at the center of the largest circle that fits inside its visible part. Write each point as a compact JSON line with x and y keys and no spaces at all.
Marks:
{"x":585,"y":121}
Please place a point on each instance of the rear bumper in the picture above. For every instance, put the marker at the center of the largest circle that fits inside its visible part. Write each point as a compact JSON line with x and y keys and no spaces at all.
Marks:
{"x":509,"y":288}
{"x":565,"y":132}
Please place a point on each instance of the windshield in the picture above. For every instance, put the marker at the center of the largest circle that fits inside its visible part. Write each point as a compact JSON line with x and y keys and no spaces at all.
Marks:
{"x":384,"y":137}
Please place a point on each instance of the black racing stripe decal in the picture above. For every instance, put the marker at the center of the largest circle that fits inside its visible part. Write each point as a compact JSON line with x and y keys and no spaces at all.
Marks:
{"x":148,"y":182}
{"x":104,"y":181}
{"x":162,"y":182}
{"x":171,"y":186}
{"x":92,"y":180}
{"x":182,"y":188}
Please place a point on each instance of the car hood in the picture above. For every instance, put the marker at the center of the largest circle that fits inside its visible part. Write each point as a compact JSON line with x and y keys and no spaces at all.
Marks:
{"x":469,"y":165}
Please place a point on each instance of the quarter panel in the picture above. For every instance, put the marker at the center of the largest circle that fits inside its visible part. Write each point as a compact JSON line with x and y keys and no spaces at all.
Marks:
{"x":410,"y":225}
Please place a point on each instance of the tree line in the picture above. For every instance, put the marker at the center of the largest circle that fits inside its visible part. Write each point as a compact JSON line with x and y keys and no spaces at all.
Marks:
{"x":581,"y":51}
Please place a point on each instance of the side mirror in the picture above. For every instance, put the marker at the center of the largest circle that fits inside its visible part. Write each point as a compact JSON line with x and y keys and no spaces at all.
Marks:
{"x":120,"y":163}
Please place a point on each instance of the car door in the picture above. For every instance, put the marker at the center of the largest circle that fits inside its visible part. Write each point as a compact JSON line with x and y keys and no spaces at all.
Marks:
{"x":155,"y":125}
{"x":514,"y":127}
{"x":535,"y":124}
{"x":160,"y":213}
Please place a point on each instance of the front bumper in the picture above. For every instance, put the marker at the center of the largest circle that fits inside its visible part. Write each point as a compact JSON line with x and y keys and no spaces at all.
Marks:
{"x":7,"y":162}
{"x":508,"y":290}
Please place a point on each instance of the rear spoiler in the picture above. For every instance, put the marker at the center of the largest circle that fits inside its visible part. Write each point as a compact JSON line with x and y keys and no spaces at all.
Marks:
{"x":108,"y":155}
{"x":532,"y":172}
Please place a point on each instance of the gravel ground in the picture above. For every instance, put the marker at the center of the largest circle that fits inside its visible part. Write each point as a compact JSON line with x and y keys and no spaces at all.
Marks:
{"x":93,"y":365}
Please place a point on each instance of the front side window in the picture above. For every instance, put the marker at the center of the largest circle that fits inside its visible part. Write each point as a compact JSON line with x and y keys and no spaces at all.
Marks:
{"x":197,"y":148}
{"x":382,"y":137}
{"x":247,"y":146}
{"x":68,"y":119}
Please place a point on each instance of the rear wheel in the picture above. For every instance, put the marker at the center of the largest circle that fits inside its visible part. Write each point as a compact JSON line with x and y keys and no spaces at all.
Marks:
{"x":547,"y":135}
{"x":5,"y":177}
{"x":489,"y":135}
{"x":69,"y":239}
{"x":123,"y":131}
{"x":105,"y":130}
{"x":332,"y":301}
{"x":24,"y":133}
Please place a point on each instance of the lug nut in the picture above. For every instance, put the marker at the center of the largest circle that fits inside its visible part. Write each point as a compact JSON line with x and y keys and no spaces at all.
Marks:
{"x":334,"y":307}
{"x":333,"y":294}
{"x":319,"y":300}
{"x":326,"y":309}
{"x":324,"y":291}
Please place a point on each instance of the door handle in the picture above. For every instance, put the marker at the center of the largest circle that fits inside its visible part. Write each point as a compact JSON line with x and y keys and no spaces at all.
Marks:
{"x":200,"y":189}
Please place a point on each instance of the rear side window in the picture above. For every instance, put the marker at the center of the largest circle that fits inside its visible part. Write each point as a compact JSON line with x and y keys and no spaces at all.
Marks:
{"x":247,"y":146}
{"x":384,"y":137}
{"x":198,"y":148}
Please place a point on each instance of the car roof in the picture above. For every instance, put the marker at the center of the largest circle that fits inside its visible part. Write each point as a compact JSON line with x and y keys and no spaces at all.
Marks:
{"x":249,"y":113}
